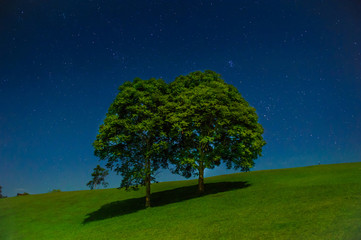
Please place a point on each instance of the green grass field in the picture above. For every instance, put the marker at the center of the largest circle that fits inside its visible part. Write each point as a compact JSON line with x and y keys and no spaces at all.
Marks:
{"x":318,"y":202}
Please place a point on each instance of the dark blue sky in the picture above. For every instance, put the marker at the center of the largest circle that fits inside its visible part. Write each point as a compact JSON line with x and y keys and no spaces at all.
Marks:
{"x":61,"y":62}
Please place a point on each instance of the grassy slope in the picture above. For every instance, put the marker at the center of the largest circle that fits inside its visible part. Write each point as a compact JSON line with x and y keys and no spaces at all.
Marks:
{"x":319,"y":202}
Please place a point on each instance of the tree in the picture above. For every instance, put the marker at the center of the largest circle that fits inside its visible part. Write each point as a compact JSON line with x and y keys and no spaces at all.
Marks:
{"x":211,"y":123}
{"x":98,"y":175}
{"x":133,"y":137}
{"x":1,"y":196}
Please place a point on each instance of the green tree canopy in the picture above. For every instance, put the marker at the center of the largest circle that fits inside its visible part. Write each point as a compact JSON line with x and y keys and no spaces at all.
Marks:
{"x":98,"y":175}
{"x":211,"y":123}
{"x":133,"y":137}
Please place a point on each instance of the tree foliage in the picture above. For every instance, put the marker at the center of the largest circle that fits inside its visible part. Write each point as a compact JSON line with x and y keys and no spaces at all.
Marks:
{"x":98,"y":175}
{"x":1,"y":196}
{"x":196,"y":122}
{"x":133,"y":137}
{"x":211,"y":123}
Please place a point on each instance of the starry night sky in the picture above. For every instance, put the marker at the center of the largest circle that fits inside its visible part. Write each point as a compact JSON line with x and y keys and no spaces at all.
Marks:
{"x":61,"y":62}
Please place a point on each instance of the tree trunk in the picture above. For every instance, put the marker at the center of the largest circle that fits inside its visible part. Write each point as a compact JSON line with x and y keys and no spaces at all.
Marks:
{"x":147,"y":191}
{"x":201,"y":178}
{"x":147,"y":185}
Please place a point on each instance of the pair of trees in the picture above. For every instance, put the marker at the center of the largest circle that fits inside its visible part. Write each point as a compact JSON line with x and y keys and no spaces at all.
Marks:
{"x":196,"y":122}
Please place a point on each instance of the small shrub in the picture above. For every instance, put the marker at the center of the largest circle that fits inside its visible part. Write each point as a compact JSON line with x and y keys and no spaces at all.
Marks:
{"x":55,"y":190}
{"x":22,"y":194}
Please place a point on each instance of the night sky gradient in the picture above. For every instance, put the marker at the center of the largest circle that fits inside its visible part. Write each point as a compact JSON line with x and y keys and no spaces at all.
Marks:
{"x":61,"y":62}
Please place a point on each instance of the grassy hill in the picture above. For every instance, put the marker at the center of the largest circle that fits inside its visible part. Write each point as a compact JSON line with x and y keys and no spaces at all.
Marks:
{"x":318,"y":202}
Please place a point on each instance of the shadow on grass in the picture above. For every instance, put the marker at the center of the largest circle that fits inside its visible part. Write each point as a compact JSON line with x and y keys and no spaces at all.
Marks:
{"x":123,"y":207}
